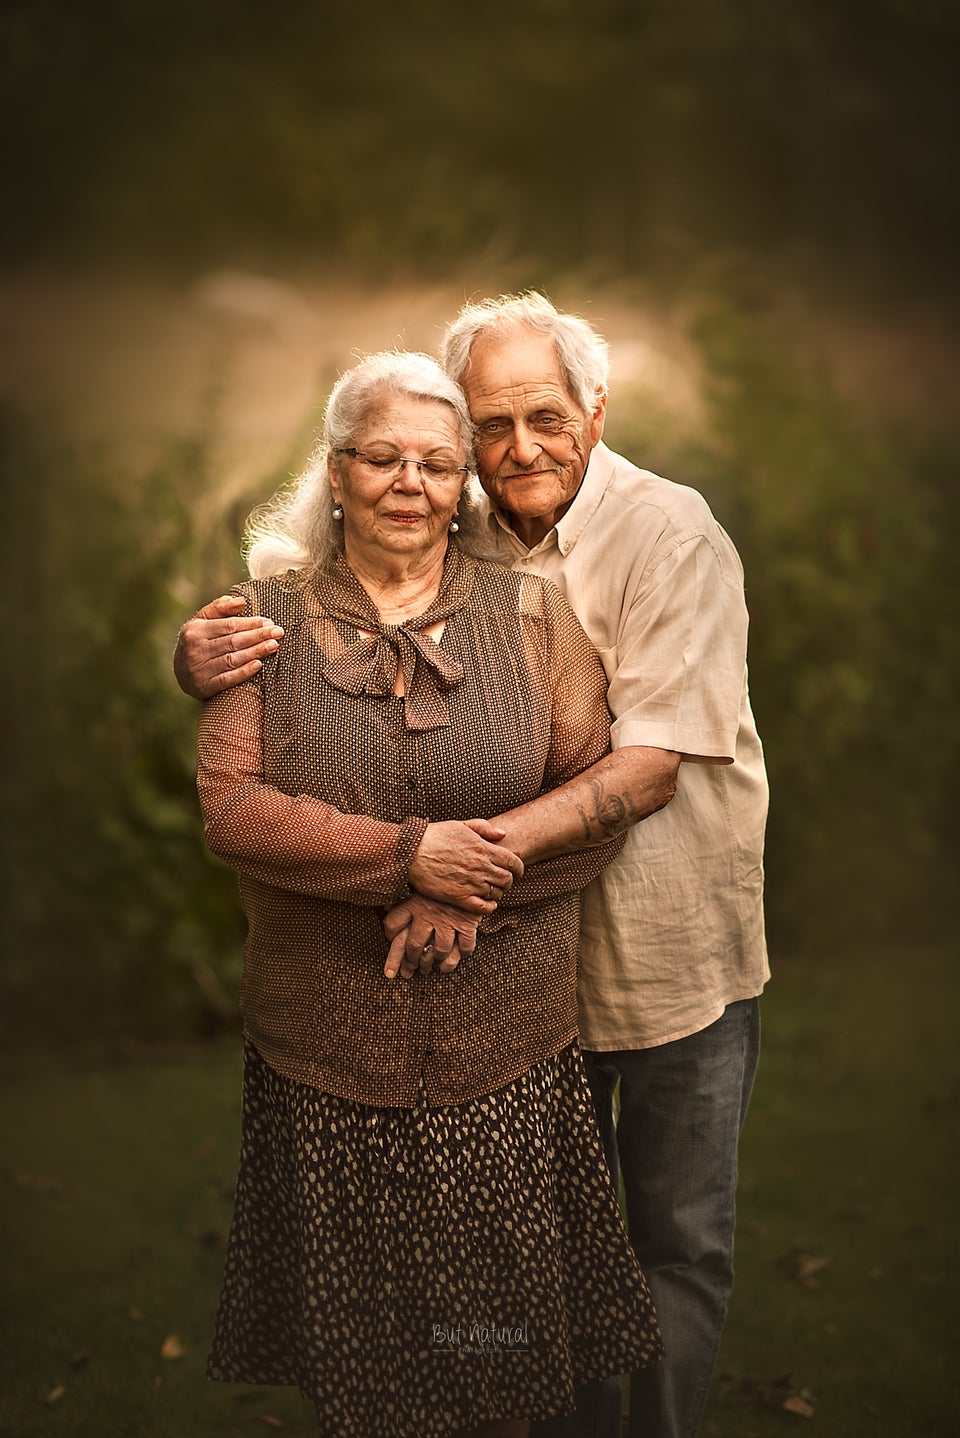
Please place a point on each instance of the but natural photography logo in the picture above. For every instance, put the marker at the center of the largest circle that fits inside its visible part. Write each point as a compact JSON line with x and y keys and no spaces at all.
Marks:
{"x":485,"y":1338}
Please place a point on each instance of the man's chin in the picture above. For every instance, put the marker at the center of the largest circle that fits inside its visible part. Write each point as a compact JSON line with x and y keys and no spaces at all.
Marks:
{"x":529,"y":493}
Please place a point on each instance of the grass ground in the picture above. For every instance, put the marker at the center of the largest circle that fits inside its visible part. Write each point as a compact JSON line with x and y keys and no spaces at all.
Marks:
{"x":117,"y":1180}
{"x":847,"y":1257}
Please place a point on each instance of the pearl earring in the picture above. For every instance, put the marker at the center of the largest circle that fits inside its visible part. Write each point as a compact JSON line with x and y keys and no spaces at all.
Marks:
{"x":338,"y":511}
{"x":454,"y":526}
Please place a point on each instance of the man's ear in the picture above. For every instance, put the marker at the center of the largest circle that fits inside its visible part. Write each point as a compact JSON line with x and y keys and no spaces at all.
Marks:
{"x":595,"y":425}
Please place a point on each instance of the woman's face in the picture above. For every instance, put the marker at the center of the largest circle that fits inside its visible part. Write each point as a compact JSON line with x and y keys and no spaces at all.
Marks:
{"x":405,"y":513}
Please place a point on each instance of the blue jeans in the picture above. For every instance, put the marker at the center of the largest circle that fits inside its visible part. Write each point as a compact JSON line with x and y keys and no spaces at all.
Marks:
{"x":682,"y":1106}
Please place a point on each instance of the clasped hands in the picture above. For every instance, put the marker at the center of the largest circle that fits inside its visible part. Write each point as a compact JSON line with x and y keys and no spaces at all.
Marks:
{"x":458,"y":874}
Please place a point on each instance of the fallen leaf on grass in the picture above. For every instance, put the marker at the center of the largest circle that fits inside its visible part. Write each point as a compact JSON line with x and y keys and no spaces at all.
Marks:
{"x":54,"y":1395}
{"x":791,"y":1399}
{"x":807,"y":1268}
{"x":803,"y":1266}
{"x":796,"y":1403}
{"x":172,"y":1347}
{"x":268,"y":1419}
{"x":781,"y":1394}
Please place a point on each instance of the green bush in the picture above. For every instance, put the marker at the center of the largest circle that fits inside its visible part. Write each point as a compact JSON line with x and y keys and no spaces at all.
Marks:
{"x":120,"y":921}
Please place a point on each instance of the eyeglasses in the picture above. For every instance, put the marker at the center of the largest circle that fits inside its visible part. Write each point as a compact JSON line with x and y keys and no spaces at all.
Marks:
{"x":391,"y":465}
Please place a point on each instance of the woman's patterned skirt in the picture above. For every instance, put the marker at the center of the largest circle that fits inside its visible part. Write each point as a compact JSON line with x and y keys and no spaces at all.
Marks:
{"x":414,"y":1271}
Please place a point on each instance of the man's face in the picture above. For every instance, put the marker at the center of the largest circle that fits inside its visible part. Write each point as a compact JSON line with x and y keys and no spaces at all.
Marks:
{"x":533,"y":440}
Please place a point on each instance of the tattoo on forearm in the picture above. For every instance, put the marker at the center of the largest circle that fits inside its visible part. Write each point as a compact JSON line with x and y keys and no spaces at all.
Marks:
{"x":611,"y":814}
{"x":608,"y":814}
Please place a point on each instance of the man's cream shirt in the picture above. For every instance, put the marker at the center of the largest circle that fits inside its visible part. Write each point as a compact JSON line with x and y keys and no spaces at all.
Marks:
{"x":673,"y":929}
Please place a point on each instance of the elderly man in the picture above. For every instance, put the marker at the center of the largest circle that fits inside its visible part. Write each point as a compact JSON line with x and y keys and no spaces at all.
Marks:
{"x":672,"y":952}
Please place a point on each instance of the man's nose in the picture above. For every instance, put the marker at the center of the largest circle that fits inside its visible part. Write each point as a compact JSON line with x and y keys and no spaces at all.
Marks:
{"x":524,"y":446}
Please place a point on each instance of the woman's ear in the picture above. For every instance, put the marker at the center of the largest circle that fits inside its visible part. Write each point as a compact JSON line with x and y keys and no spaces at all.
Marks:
{"x":334,"y":478}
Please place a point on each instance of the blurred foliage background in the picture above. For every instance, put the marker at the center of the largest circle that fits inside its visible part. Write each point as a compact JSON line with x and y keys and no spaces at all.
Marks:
{"x":210,"y":206}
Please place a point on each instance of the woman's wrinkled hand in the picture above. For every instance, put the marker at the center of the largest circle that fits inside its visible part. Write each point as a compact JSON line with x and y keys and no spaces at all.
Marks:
{"x":423,"y":932}
{"x":463,"y":863}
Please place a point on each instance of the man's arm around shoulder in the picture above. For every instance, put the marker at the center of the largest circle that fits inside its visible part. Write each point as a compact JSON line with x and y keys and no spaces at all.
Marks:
{"x":220,"y":647}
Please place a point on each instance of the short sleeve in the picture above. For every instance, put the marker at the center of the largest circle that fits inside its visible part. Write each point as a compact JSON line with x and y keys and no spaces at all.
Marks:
{"x":678,"y":675}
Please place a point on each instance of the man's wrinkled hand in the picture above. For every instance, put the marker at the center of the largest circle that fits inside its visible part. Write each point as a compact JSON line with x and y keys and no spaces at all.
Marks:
{"x":463,"y":863}
{"x":220,"y":647}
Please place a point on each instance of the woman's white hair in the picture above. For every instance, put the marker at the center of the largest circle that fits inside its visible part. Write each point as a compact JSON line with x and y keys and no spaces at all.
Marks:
{"x":582,"y":353}
{"x":296,"y":529}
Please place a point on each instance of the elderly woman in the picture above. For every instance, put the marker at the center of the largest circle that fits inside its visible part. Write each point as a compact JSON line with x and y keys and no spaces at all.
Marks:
{"x":425,"y":1240}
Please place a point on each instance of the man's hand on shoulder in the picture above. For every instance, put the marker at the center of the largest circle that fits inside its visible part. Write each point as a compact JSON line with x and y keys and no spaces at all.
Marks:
{"x":220,"y":647}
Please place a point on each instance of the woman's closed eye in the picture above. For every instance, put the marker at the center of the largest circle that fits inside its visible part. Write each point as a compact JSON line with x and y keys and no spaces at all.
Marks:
{"x":437,"y":468}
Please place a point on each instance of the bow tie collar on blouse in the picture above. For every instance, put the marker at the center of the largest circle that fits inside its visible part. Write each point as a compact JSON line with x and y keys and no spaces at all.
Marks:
{"x":369,"y":666}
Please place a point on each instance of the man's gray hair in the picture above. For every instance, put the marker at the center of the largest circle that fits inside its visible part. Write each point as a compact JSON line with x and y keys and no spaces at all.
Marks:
{"x":583,"y":354}
{"x":296,"y":529}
